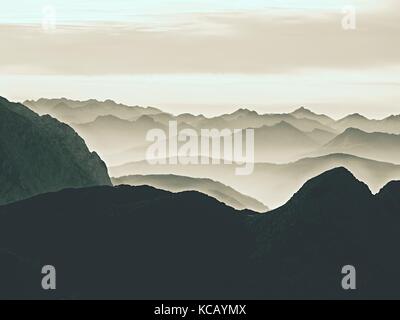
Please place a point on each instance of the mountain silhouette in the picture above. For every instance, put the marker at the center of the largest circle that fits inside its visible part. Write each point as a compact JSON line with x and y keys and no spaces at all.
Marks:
{"x":140,"y":242}
{"x":274,"y":184}
{"x":332,"y":221}
{"x":40,"y":154}
{"x":73,"y":111}
{"x":123,"y":242}
{"x":210,"y":187}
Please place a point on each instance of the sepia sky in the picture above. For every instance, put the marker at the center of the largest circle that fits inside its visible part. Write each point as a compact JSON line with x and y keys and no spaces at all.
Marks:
{"x":205,"y":56}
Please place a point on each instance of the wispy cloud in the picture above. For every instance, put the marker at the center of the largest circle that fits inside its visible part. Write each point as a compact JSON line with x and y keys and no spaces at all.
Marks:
{"x":218,"y":43}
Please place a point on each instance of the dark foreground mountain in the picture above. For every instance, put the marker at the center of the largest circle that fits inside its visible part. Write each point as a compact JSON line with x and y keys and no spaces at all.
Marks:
{"x":40,"y":154}
{"x":140,"y":242}
{"x":123,"y":242}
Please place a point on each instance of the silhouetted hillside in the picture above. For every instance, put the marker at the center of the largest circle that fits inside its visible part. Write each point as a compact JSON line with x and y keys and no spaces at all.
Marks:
{"x":40,"y":154}
{"x":140,"y":242}
{"x":332,"y":221}
{"x":123,"y":242}
{"x":209,"y":187}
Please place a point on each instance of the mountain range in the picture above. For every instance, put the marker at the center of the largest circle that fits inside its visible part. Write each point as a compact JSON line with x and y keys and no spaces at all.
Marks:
{"x":58,"y":207}
{"x":117,"y":132}
{"x":212,"y":188}
{"x":72,"y":111}
{"x":273,"y":184}
{"x":377,"y":145}
{"x":144,"y":243}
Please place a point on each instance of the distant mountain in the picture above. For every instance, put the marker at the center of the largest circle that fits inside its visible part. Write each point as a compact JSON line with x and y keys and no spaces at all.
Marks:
{"x":151,"y":244}
{"x":303,"y":113}
{"x":279,"y":181}
{"x":390,"y":124}
{"x":320,"y":136}
{"x":110,"y":134}
{"x":281,"y":143}
{"x":40,"y":154}
{"x":71,"y":111}
{"x":377,"y":145}
{"x":244,"y":118}
{"x":117,"y":132}
{"x":210,"y":187}
{"x":357,"y":121}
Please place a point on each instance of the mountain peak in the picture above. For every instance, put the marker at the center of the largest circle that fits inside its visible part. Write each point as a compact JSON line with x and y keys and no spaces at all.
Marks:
{"x":337,"y":184}
{"x":393,"y":117}
{"x":355,"y":116}
{"x":303,"y":110}
{"x":107,"y":118}
{"x":244,"y":111}
{"x":353,"y":130}
{"x":145,"y":119}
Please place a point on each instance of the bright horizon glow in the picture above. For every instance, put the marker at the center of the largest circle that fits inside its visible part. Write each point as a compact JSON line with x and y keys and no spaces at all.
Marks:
{"x":197,"y":56}
{"x":213,"y":95}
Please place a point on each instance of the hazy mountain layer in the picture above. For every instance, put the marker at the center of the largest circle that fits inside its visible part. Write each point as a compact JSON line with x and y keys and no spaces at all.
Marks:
{"x":279,"y":143}
{"x":40,"y":154}
{"x":118,"y":132}
{"x":71,"y":111}
{"x":212,"y":188}
{"x":271,"y":183}
{"x":390,"y":124}
{"x":139,"y":242}
{"x":110,"y":134}
{"x":376,"y":145}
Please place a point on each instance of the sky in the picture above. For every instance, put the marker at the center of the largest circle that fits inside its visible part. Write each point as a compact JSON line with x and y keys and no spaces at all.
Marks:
{"x":206,"y":56}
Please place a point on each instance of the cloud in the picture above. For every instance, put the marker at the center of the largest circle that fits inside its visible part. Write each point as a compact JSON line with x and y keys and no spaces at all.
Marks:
{"x":246,"y":43}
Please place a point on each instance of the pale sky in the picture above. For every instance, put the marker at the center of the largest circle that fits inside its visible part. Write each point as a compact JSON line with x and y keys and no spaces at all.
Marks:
{"x":205,"y":56}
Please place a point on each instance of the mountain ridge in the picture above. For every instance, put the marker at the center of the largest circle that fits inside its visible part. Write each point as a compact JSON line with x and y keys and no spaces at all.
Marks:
{"x":39,"y":154}
{"x":234,"y":255}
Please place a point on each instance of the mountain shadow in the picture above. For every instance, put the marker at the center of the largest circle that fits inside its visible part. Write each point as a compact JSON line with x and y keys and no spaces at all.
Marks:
{"x":141,"y":243}
{"x":331,"y":222}
{"x":123,"y":242}
{"x":40,"y":154}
